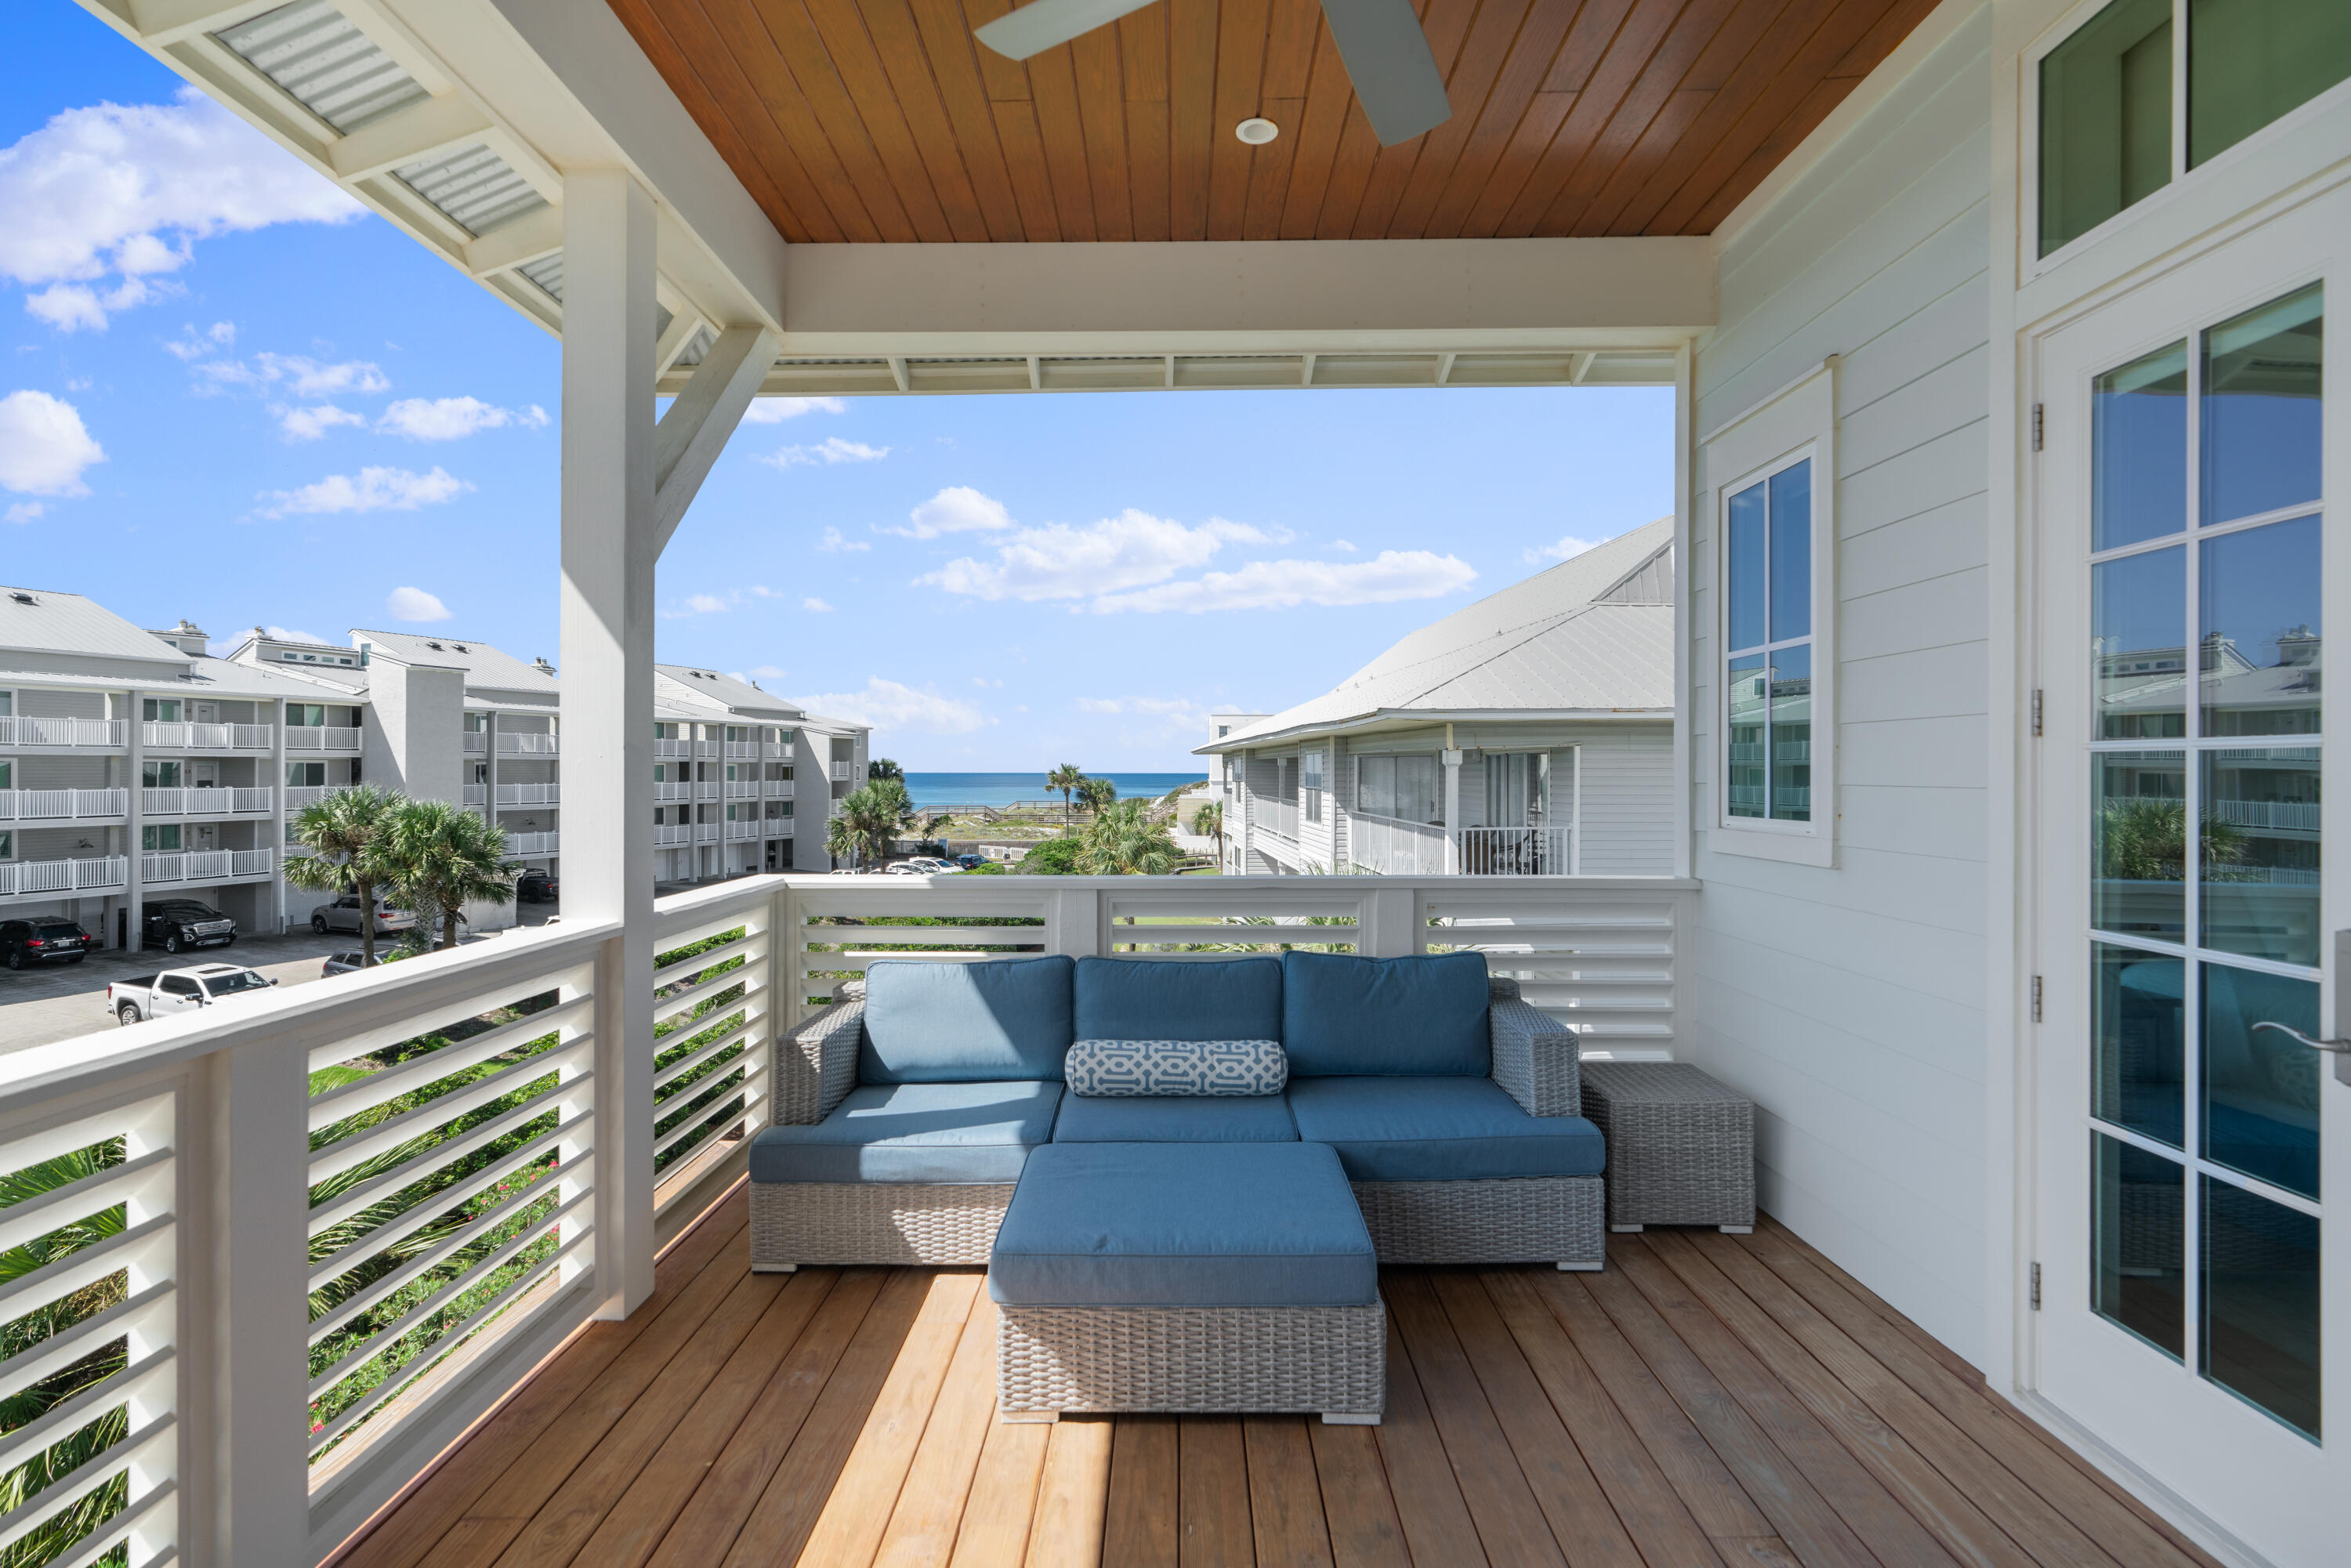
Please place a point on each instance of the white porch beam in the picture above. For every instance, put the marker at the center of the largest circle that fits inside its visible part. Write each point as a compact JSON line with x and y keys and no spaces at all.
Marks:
{"x":695,"y":431}
{"x":162,"y":23}
{"x":424,"y":129}
{"x":536,"y":232}
{"x":609,"y":550}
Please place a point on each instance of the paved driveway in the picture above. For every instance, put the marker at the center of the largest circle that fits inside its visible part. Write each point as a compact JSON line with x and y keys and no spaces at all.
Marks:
{"x":62,"y":1000}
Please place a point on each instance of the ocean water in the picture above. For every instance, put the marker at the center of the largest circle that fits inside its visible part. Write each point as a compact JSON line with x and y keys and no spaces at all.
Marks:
{"x":931,"y":789}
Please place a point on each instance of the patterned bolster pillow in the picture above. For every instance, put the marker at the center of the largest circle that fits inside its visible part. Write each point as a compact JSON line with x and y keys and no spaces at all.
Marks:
{"x":1125,"y":1067}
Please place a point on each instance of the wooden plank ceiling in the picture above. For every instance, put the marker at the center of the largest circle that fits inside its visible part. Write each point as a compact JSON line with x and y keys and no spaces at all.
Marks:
{"x":885,"y":120}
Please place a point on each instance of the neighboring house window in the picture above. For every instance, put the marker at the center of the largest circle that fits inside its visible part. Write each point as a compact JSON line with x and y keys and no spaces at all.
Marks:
{"x":1772,"y":520}
{"x":1403,"y":788}
{"x":1309,"y":783}
{"x":165,"y":838}
{"x":160,"y":775}
{"x":306,"y":716}
{"x":161,"y":710}
{"x":306,"y":775}
{"x":7,"y":846}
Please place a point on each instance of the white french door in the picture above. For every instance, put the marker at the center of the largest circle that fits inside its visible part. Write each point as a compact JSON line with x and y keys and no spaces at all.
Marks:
{"x":2192,"y":1167}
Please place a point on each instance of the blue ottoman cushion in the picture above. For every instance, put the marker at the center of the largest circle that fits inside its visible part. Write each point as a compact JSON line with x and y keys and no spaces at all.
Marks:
{"x":1162,"y":999}
{"x":947,"y":1132}
{"x":1439,"y":1129}
{"x":930,"y":1022}
{"x":1362,"y":1016}
{"x":1175,"y":1119}
{"x":1183,"y":1225}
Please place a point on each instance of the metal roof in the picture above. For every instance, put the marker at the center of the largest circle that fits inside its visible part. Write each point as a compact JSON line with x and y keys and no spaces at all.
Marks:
{"x":38,"y":620}
{"x":484,"y":665}
{"x":1594,"y":633}
{"x":691,"y":682}
{"x":479,"y":191}
{"x":323,"y":62}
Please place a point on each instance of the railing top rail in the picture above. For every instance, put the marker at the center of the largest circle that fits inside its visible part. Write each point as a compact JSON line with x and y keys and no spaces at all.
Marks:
{"x":351,"y":1007}
{"x":1482,"y":887}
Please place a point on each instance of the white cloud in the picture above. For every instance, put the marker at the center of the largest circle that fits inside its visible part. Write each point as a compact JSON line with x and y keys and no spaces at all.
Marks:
{"x":1063,"y":561}
{"x":192,"y":345}
{"x":370,"y":490}
{"x":1148,"y":720}
{"x":832,"y":542}
{"x":888,"y":705}
{"x":958,"y":509}
{"x":414,"y":604}
{"x":298,"y":373}
{"x":1391,"y":576}
{"x":704,"y":604}
{"x":776,"y":409}
{"x":819,"y":605}
{"x":1347,"y":545}
{"x":452,"y":418}
{"x":832,"y":449}
{"x":718,"y":605}
{"x":26,"y":511}
{"x":44,"y":446}
{"x":770,"y":671}
{"x":1566,"y":545}
{"x":294,"y":634}
{"x":310,"y":423}
{"x":102,"y":199}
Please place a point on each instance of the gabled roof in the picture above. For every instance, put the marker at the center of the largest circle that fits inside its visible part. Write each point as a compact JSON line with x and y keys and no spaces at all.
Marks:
{"x":1593,"y":634}
{"x":695,"y":684}
{"x":484,"y":665}
{"x":39,"y":620}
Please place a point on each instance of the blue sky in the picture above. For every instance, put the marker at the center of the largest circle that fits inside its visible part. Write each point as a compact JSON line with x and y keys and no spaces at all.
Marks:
{"x":226,"y":397}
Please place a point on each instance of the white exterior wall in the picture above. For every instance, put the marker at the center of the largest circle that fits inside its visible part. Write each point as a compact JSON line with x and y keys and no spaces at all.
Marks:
{"x":1626,"y":808}
{"x":1848,"y":1001}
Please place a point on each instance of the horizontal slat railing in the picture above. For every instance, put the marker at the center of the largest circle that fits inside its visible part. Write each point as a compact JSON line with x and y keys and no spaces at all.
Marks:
{"x":716,"y":1012}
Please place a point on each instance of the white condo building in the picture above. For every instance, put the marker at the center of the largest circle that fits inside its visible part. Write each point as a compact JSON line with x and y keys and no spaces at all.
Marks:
{"x":136,"y":766}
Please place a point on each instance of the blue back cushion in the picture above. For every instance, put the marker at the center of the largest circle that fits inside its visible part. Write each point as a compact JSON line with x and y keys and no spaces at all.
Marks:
{"x":1384,"y":1016}
{"x":993,"y":1021}
{"x":1145,"y":999}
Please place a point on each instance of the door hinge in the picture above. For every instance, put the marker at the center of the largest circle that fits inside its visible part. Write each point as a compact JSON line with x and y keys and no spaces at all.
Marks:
{"x":2036,"y":713}
{"x":2036,"y":427}
{"x":2036,"y":998}
{"x":2036,"y":1287}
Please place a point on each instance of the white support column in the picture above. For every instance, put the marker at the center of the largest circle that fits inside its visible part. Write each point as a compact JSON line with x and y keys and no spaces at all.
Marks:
{"x":608,"y":682}
{"x":1452,"y":758}
{"x":277,"y":821}
{"x":134,"y":734}
{"x":490,"y":766}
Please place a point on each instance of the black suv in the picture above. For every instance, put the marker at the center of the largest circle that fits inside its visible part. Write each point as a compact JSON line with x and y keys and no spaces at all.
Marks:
{"x":24,"y":942}
{"x":535,"y":887}
{"x":178,"y":924}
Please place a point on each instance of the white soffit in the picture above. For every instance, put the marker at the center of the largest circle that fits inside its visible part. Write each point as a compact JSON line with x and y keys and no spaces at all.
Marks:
{"x":474,"y":187}
{"x":314,"y":54}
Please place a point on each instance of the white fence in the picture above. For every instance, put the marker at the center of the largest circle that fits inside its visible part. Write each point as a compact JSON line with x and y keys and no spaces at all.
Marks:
{"x":101,"y":874}
{"x":841,"y":771}
{"x":209,"y":801}
{"x":513,"y":745}
{"x":737,"y":749}
{"x":324,"y":737}
{"x":706,"y":832}
{"x":706,"y":749}
{"x":742,"y":788}
{"x":22,"y":730}
{"x":706,"y":788}
{"x":300,"y":795}
{"x":1395,"y":848}
{"x":475,"y":794}
{"x":530,"y":794}
{"x":673,"y":790}
{"x":205,"y":865}
{"x":673,"y":834}
{"x":1515,"y":851}
{"x":185,"y":737}
{"x":543,"y":844}
{"x":747,"y":829}
{"x":57,"y":805}
{"x":663,"y":750}
{"x":477,"y":743}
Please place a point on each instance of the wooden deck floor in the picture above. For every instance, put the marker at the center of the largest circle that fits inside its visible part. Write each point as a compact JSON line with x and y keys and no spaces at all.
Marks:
{"x":1708,"y":1400}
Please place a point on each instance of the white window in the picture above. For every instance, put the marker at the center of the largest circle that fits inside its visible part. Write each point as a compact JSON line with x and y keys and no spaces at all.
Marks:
{"x":1403,"y":788}
{"x":161,"y":710}
{"x":1309,"y":783}
{"x":1774,"y":536}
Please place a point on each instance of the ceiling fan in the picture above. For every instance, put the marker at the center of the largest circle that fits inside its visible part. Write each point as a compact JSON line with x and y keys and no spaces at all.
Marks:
{"x":1385,"y":52}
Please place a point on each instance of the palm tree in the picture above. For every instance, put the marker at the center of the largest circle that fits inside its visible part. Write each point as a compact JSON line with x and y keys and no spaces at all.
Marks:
{"x":870,"y":819}
{"x":445,"y":857}
{"x":1123,"y":840}
{"x":344,"y":832}
{"x":1209,"y":821}
{"x":883,"y":767}
{"x":1066,"y":778}
{"x":1097,"y":793}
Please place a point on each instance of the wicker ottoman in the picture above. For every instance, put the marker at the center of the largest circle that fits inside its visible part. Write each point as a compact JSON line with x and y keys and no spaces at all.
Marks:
{"x":1191,"y":1277}
{"x":1681,"y":1147}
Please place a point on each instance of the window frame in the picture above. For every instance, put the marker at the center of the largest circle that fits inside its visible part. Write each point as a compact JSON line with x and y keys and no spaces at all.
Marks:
{"x":1795,"y":425}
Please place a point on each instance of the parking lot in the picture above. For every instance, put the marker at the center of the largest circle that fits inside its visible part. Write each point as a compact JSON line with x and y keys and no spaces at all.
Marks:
{"x":59,"y":1001}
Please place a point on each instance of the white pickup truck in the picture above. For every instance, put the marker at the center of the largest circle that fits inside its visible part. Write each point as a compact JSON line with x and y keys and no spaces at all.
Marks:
{"x":180,"y":990}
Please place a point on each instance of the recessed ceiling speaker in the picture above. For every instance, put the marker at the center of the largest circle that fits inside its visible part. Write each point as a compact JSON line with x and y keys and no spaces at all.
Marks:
{"x":1257,"y":132}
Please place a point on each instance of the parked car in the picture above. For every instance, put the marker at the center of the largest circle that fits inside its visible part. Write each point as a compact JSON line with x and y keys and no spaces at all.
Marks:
{"x":181,"y":990}
{"x":535,"y":887}
{"x":180,"y":925}
{"x":971,"y":863}
{"x":24,"y":942}
{"x":343,"y":914}
{"x":343,"y":964}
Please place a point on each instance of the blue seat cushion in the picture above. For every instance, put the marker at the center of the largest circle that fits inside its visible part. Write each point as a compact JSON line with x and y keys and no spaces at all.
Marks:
{"x":929,"y":1022}
{"x":947,"y":1132}
{"x":1175,"y":1119}
{"x":1385,"y":1016}
{"x":1439,"y":1129}
{"x":1183,"y":1225}
{"x":1162,"y":999}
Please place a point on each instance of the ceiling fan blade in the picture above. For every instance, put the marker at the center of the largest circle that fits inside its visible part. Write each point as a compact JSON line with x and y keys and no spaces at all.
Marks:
{"x":1387,"y":58}
{"x":1038,"y":26}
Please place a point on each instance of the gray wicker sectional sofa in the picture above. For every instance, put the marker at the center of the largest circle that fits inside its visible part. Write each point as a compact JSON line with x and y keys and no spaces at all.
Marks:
{"x":904,"y":1117}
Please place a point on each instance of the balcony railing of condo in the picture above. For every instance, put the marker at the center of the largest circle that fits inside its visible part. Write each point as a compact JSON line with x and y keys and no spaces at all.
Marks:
{"x":666,"y":749}
{"x":21,"y":729}
{"x":477,"y":743}
{"x":775,"y":750}
{"x":300,"y":795}
{"x":748,"y":827}
{"x":511,"y":744}
{"x":673,"y":790}
{"x":541,"y":794}
{"x":476,"y":795}
{"x":543,"y":842}
{"x":706,"y":788}
{"x":738,"y":750}
{"x":1271,"y":814}
{"x":706,"y":832}
{"x":209,"y":800}
{"x":840,"y":768}
{"x":1515,"y":851}
{"x":323,"y":737}
{"x":95,"y":875}
{"x":57,"y":805}
{"x":707,"y":750}
{"x":1393,"y":847}
{"x":187,"y":736}
{"x":668,"y":834}
{"x":205,"y":865}
{"x":742,"y":788}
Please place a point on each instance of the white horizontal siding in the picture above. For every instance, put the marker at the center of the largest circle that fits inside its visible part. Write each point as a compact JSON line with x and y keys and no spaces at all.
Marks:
{"x":1626,"y":802}
{"x":33,"y":702}
{"x":1848,"y":999}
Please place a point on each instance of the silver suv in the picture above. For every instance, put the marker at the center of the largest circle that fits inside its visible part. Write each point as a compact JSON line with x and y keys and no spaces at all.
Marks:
{"x":343,"y":914}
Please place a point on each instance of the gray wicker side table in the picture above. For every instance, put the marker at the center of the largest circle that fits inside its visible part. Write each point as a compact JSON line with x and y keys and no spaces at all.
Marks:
{"x":1681,"y":1146}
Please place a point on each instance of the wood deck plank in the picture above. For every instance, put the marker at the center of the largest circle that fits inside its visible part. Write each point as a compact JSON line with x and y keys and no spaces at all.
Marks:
{"x":1362,"y":1516}
{"x":1429,"y":1501}
{"x":1285,"y":1496}
{"x":1073,"y":1496}
{"x":938,"y":1483}
{"x":1139,"y":1524}
{"x":994,"y":1529}
{"x":1212,"y":1504}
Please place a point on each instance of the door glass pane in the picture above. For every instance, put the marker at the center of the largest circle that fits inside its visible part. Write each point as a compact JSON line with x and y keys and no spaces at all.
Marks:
{"x":2138,"y":1040}
{"x":2258,"y":1281}
{"x":1748,"y":708}
{"x":2139,"y":844}
{"x":1791,"y":735}
{"x":1748,"y":544}
{"x":2260,"y":1087}
{"x":2138,"y":1262}
{"x":2106,"y":119}
{"x":2260,"y":851}
{"x":1792,"y":552}
{"x":2139,"y":645}
{"x":2261,"y":409}
{"x":2138,"y":450}
{"x":2259,"y":630}
{"x":2249,"y":61}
